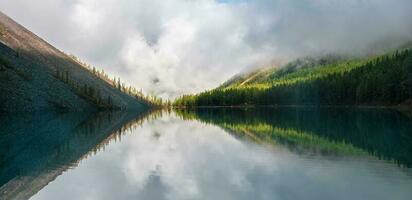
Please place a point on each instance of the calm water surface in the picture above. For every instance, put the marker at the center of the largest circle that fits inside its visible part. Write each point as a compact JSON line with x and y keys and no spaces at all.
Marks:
{"x":299,"y":153}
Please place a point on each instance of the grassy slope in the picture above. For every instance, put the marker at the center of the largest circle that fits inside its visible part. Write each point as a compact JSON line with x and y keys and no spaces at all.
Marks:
{"x":299,"y":70}
{"x":307,"y":82}
{"x":28,"y":67}
{"x":263,"y":78}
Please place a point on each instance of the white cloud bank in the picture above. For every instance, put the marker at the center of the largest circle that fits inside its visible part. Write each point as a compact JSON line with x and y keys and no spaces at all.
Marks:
{"x":171,"y":47}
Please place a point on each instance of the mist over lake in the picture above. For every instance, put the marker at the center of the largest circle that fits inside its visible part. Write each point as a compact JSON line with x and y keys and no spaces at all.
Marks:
{"x":205,"y":99}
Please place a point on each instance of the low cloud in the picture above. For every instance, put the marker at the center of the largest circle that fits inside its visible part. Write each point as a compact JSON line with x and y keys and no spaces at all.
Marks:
{"x":173,"y":47}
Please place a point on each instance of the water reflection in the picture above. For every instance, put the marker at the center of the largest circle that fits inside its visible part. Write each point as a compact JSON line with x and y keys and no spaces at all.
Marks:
{"x":170,"y":158}
{"x":37,"y":148}
{"x":384,"y":133}
{"x":218,"y":154}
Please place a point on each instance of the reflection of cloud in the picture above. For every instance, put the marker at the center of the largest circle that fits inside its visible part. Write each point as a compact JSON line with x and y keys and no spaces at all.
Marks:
{"x":179,"y":155}
{"x":189,"y":46}
{"x":173,"y":159}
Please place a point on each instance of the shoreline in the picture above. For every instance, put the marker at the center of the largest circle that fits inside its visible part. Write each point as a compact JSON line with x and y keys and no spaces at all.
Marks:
{"x":397,"y":107}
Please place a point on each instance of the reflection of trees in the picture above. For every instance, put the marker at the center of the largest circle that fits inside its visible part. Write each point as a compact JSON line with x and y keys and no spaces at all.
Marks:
{"x":382,"y":133}
{"x":36,"y":149}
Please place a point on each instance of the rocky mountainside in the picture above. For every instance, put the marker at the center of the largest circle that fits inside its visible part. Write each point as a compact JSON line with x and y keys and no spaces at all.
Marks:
{"x":36,"y":76}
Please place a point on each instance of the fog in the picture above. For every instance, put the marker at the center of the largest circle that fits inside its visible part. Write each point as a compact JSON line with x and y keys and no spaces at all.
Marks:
{"x":172,"y":47}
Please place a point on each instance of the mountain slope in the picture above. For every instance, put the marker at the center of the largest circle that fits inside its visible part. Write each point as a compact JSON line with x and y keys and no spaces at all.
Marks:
{"x":267,"y":75}
{"x":249,"y":77}
{"x":379,"y":80}
{"x":36,"y":76}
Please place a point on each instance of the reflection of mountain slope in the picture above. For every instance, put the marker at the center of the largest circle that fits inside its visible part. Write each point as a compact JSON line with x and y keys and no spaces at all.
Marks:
{"x":383,"y":133}
{"x":49,"y":145}
{"x":298,"y":141}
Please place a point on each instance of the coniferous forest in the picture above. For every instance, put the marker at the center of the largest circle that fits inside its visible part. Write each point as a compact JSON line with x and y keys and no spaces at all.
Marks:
{"x":380,"y":80}
{"x":206,"y":99}
{"x":93,"y":94}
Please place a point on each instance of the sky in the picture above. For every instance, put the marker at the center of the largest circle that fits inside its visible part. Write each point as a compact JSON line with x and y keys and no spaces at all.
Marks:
{"x":174,"y":47}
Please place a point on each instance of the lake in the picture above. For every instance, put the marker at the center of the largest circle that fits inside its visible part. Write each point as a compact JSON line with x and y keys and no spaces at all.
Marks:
{"x":221,"y":153}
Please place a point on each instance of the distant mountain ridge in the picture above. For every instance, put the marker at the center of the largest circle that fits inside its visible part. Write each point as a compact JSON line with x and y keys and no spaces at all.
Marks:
{"x":266,"y":74}
{"x":380,"y":80}
{"x":35,"y":76}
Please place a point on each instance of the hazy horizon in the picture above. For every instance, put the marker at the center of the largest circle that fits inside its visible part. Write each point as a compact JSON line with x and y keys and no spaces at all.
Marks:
{"x":173,"y":47}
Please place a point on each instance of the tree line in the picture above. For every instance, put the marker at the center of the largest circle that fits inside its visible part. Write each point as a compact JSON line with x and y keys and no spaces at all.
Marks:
{"x":116,"y":83}
{"x":383,"y":80}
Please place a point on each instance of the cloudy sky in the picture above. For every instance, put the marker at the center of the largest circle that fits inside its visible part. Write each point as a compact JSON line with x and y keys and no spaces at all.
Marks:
{"x":171,"y":47}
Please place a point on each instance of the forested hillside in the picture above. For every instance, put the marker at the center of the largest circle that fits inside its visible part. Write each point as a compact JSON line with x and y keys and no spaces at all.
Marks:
{"x":36,"y":76}
{"x":378,"y":80}
{"x":268,"y":74}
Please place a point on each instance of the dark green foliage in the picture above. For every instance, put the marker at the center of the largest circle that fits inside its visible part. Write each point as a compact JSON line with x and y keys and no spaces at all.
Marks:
{"x":4,"y":62}
{"x":116,"y":83}
{"x":372,"y":130}
{"x":2,"y":67}
{"x":85,"y":91}
{"x":385,"y":80}
{"x":94,"y":96}
{"x":7,"y":64}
